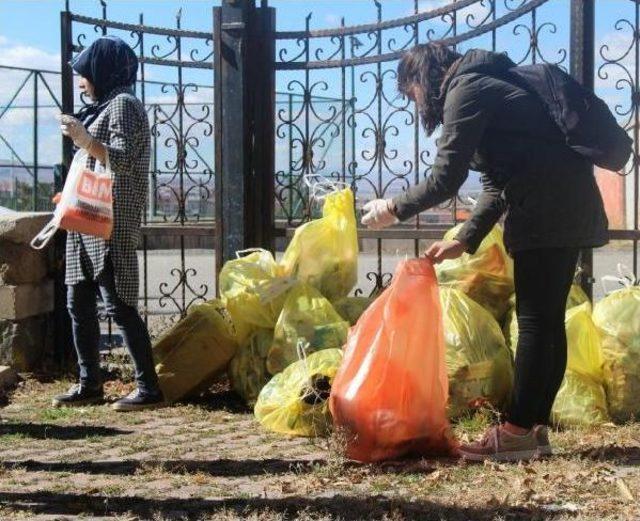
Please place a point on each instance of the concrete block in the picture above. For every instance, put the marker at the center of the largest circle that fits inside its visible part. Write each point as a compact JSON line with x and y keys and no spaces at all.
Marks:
{"x":24,"y":344}
{"x":27,"y":300}
{"x":21,"y":264}
{"x":22,"y":227}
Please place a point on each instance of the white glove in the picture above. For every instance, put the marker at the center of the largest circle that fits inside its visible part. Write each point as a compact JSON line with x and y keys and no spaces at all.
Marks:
{"x":73,"y":128}
{"x":379,"y":214}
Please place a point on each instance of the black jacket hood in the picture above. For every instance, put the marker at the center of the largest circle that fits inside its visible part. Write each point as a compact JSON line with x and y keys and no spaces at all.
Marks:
{"x":484,"y":62}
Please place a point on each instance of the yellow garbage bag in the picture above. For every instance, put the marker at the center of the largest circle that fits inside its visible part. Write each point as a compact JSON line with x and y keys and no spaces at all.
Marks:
{"x":617,"y":317}
{"x":352,"y":308}
{"x":307,"y":318}
{"x":248,"y":368}
{"x":254,"y":291}
{"x":296,"y":401}
{"x":584,"y":350}
{"x":324,"y":252}
{"x":576,"y":297}
{"x":195,"y":351}
{"x":581,"y":399}
{"x":479,"y":364}
{"x":486,"y":276}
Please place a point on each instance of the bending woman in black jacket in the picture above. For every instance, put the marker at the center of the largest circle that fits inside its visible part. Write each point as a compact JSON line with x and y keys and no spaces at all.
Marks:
{"x":552,"y":211}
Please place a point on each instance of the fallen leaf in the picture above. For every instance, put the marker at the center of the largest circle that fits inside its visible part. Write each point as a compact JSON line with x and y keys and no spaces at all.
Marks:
{"x":493,"y":502}
{"x":623,"y":488}
{"x":526,"y":482}
{"x":435,"y":475}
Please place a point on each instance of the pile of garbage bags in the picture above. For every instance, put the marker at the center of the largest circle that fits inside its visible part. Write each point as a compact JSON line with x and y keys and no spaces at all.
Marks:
{"x":270,"y":310}
{"x":445,"y":337}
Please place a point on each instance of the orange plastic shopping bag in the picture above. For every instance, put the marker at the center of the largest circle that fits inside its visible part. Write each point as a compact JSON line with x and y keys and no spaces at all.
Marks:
{"x":85,"y":205}
{"x":389,"y":396}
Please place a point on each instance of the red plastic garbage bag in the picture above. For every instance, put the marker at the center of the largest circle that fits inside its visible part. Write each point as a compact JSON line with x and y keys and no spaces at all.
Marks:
{"x":390,"y":394}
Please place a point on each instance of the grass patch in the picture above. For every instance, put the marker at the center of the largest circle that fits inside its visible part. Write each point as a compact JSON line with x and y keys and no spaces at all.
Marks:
{"x":113,"y":489}
{"x":59,"y":414}
{"x":13,"y":438}
{"x":208,"y":455}
{"x":474,"y":424}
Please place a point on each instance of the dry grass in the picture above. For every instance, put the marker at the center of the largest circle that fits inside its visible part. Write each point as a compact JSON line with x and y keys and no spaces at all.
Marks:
{"x":209,"y":460}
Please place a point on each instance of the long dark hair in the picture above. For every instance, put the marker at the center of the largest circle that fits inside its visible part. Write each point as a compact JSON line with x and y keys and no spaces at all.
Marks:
{"x":428,"y":65}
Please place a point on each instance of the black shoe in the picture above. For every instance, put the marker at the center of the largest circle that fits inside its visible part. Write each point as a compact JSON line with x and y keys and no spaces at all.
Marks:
{"x":137,"y":401}
{"x":78,"y":396}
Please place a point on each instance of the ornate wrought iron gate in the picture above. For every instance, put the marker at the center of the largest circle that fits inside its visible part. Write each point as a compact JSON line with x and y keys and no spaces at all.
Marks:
{"x":343,"y":121}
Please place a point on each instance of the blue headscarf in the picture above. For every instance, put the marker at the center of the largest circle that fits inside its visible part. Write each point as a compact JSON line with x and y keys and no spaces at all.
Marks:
{"x":108,"y":63}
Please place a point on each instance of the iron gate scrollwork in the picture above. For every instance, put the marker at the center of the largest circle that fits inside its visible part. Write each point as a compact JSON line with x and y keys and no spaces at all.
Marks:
{"x":374,"y":138}
{"x":337,"y":115}
{"x":618,"y":74}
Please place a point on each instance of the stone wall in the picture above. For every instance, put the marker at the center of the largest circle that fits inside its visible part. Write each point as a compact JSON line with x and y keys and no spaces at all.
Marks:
{"x":26,"y":293}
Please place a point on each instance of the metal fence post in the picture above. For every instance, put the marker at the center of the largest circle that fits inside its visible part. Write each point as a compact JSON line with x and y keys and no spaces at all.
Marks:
{"x":63,"y":351}
{"x":66,"y":80}
{"x":35,"y":141}
{"x":62,"y":323}
{"x":582,"y":51}
{"x":244,"y":126}
{"x":262,"y":86}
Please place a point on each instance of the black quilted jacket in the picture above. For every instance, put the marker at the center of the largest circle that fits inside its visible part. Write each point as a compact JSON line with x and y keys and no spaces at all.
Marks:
{"x":505,"y":133}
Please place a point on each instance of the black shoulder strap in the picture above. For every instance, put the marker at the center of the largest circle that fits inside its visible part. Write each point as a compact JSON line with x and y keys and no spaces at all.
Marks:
{"x":511,"y":77}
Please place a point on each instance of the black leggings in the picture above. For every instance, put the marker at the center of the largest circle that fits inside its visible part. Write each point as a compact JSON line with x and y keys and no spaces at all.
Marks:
{"x":543,"y":279}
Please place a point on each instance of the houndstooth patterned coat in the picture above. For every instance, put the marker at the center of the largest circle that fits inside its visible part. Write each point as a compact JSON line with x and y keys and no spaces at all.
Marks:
{"x":123,"y":127}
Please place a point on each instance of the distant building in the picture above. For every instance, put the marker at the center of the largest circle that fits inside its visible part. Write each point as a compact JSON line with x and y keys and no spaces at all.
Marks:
{"x":617,"y":193}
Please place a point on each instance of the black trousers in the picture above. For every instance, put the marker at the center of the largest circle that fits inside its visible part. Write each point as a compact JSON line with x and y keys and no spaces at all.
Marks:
{"x":81,"y":302}
{"x":543,"y":279}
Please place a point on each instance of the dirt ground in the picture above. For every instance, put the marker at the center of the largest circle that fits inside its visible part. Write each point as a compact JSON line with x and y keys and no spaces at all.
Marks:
{"x":210,"y":460}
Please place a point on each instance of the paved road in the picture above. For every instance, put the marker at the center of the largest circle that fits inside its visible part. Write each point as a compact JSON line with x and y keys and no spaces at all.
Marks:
{"x":162,"y":266}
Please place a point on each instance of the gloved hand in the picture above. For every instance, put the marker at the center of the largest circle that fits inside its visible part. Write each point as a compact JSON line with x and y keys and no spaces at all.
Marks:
{"x":379,"y":214}
{"x":73,"y":128}
{"x":444,"y":250}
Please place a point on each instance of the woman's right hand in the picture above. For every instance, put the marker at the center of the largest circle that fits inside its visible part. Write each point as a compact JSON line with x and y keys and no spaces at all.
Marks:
{"x":74,"y":129}
{"x":445,"y":250}
{"x":379,"y":214}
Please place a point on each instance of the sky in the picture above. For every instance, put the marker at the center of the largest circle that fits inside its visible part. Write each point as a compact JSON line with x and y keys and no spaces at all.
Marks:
{"x":30,"y":37}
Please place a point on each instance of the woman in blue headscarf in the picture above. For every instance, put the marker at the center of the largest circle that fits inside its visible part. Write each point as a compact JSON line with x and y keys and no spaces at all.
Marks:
{"x":113,"y":129}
